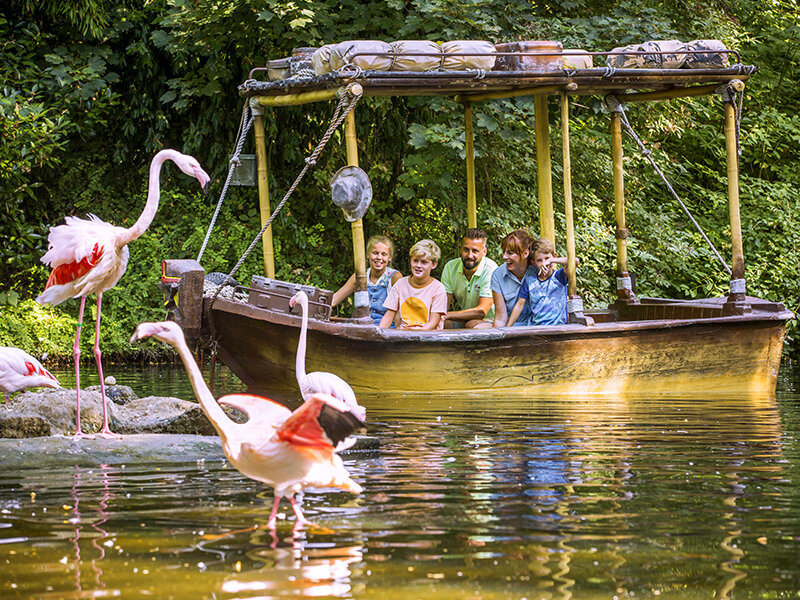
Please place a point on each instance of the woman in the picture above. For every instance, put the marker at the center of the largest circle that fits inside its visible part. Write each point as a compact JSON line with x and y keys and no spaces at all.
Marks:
{"x":380,"y":277}
{"x":507,"y":278}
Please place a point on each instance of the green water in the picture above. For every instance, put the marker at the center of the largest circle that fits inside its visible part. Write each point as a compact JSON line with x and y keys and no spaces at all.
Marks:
{"x":475,"y":498}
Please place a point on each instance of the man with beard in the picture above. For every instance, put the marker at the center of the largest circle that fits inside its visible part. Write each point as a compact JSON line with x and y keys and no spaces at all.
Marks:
{"x":467,"y":281}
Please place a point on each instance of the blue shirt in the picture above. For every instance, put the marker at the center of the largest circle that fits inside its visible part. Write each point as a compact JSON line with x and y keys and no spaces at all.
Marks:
{"x":506,"y":283}
{"x":547,"y":300}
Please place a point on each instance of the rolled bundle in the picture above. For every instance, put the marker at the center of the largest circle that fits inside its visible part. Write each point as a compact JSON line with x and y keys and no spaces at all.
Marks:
{"x":462,"y":63}
{"x":618,"y":60}
{"x":666,"y":54}
{"x":533,"y":55}
{"x":431,"y":61}
{"x":579,"y":60}
{"x":663,"y":54}
{"x":710,"y":55}
{"x":321,"y":60}
{"x":362,"y":54}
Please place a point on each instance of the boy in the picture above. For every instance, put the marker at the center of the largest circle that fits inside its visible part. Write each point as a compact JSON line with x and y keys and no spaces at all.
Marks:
{"x":417,"y":301}
{"x":547,"y":292}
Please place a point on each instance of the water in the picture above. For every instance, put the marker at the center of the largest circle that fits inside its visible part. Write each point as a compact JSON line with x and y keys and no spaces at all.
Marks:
{"x":476,"y":498}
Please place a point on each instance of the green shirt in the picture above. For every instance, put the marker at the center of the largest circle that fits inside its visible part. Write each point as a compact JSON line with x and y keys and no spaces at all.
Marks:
{"x":467,"y":293}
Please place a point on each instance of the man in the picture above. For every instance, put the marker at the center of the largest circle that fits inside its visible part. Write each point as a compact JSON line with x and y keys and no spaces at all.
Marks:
{"x":467,"y":281}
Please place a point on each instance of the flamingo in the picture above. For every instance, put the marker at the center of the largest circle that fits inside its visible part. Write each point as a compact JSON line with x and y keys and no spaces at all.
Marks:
{"x":88,"y":256}
{"x":320,"y":381}
{"x":287,"y":450}
{"x":20,"y":371}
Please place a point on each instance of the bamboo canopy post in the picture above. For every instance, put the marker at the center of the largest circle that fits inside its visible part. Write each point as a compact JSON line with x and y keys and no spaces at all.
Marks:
{"x":263,"y":188}
{"x":736,"y":303}
{"x":361,"y":296}
{"x":472,"y":206}
{"x":574,"y":302}
{"x":624,"y":287}
{"x":547,"y":226}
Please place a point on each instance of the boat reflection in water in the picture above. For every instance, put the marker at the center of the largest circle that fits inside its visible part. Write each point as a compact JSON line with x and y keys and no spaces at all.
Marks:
{"x":471,"y":498}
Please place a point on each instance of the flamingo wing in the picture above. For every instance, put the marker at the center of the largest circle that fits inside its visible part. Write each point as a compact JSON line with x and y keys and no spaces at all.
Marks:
{"x":84,"y":257}
{"x":321,"y":422}
{"x":263,"y":415}
{"x":19,"y":371}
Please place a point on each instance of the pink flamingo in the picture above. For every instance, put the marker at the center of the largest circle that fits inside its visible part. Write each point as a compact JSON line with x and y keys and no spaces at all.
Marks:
{"x":288,"y":450}
{"x":320,"y":381}
{"x":88,"y":256}
{"x":20,"y":371}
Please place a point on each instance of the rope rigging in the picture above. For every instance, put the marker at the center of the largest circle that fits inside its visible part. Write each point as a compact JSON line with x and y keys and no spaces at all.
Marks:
{"x":350,"y":95}
{"x":245,"y":123}
{"x":616,"y":106}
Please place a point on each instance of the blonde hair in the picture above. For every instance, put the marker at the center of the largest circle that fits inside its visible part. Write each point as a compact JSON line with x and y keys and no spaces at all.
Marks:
{"x":380,"y":239}
{"x":426,"y":249}
{"x":542,"y":246}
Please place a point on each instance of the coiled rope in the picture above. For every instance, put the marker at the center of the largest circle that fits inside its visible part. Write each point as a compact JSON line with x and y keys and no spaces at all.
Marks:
{"x":616,"y":106}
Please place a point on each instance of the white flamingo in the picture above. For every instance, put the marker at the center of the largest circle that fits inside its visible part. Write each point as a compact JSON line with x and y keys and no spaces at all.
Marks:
{"x":88,"y":256}
{"x":20,"y":371}
{"x":287,"y":450}
{"x":320,"y":381}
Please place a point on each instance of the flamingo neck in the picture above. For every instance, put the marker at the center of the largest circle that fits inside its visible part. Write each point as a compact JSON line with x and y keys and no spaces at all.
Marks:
{"x":300,"y":363}
{"x":153,"y":193}
{"x":213,"y":411}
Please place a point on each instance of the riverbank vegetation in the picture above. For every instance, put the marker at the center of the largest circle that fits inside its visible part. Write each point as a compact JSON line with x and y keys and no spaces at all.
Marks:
{"x":92,"y":90}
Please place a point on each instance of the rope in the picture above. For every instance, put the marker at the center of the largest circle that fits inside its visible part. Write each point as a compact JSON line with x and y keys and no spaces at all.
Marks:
{"x":244,"y":126}
{"x":648,"y":154}
{"x":339,"y":115}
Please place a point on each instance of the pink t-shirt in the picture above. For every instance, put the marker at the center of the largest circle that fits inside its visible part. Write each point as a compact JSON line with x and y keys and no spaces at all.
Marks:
{"x":414,"y":305}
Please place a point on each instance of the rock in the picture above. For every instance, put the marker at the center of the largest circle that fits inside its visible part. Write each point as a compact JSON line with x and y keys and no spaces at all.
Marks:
{"x":119,"y":394}
{"x":23,"y":425}
{"x":135,"y":448}
{"x":156,"y":414}
{"x":126,"y":413}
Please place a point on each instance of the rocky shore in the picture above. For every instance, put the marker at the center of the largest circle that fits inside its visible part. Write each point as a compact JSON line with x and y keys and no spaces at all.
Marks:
{"x":52,"y":412}
{"x":36,"y":430}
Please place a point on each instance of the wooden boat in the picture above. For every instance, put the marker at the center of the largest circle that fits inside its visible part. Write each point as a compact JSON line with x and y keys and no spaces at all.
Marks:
{"x":729,"y":346}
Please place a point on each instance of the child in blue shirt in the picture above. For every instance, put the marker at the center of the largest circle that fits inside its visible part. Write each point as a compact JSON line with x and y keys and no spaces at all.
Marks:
{"x":547,"y":292}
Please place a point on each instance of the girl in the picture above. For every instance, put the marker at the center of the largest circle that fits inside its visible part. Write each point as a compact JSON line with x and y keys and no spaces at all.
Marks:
{"x":380,"y":277}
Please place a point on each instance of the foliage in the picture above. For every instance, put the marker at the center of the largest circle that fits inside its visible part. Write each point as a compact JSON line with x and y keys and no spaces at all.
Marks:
{"x":92,"y":89}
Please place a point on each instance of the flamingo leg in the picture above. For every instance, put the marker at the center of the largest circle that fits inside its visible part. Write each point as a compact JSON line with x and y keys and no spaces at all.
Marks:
{"x":76,"y":353}
{"x":105,"y":432}
{"x":301,"y":519}
{"x":274,"y":514}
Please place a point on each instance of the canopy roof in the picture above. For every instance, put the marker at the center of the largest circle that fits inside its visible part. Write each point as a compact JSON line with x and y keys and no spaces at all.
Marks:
{"x":482,"y":85}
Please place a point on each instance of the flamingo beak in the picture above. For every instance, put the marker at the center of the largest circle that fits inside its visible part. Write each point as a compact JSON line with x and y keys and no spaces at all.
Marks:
{"x":203,"y":178}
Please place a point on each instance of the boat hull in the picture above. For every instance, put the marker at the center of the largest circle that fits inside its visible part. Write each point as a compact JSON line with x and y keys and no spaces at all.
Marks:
{"x":719,"y":357}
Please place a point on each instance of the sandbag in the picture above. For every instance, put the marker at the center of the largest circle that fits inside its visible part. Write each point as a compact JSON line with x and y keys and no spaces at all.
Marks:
{"x":662,"y":54}
{"x":462,"y":63}
{"x":710,"y":56}
{"x":344,"y":53}
{"x":321,"y":60}
{"x":579,"y":60}
{"x":416,"y":63}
